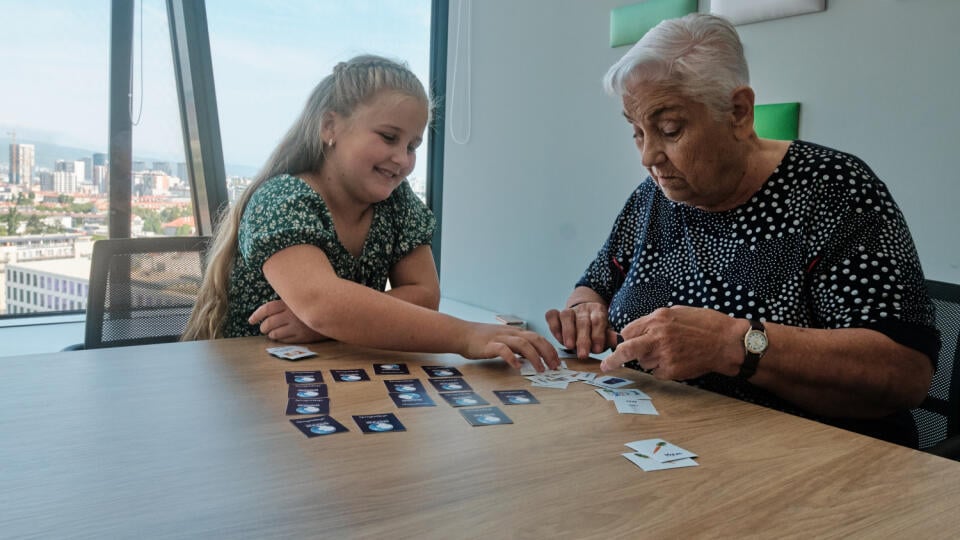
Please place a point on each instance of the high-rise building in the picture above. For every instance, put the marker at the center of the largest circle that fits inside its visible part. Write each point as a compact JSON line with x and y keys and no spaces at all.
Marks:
{"x":87,"y":169}
{"x":182,"y":172}
{"x":22,"y":163}
{"x":100,"y":159}
{"x":101,"y":176}
{"x":67,"y":176}
{"x":164,"y":166}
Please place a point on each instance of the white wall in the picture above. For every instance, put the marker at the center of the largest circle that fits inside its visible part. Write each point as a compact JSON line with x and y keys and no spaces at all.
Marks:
{"x":531,"y":197}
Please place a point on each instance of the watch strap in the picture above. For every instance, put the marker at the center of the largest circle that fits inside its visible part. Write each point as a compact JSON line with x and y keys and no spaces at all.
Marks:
{"x":750,"y":359}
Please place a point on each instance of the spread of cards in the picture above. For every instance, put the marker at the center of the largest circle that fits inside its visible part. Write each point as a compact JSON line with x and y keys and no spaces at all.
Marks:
{"x":307,"y":395}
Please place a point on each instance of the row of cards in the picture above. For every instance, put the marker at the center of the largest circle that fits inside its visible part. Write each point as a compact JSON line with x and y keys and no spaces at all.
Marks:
{"x":317,"y":426}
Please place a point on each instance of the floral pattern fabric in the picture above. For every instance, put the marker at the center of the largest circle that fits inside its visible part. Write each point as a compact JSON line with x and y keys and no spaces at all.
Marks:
{"x":285,"y":211}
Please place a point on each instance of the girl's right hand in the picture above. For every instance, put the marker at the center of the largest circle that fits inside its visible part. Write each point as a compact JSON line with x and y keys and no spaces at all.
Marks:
{"x":509,"y":343}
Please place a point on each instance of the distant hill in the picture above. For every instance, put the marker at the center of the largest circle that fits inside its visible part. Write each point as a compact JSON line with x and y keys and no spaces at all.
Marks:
{"x":47,"y":155}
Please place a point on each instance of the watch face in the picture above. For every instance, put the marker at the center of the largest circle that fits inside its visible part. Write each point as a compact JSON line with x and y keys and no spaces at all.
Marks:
{"x":756,"y":341}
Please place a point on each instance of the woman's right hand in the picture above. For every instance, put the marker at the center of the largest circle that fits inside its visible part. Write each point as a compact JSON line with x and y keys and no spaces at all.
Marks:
{"x":583,"y":328}
{"x":509,"y":343}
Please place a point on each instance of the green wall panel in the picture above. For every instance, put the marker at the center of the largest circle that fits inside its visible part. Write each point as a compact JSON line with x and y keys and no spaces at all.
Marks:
{"x":629,"y":23}
{"x":777,"y":121}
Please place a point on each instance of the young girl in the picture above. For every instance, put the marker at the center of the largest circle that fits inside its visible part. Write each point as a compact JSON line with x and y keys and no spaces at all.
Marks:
{"x":306,"y":252}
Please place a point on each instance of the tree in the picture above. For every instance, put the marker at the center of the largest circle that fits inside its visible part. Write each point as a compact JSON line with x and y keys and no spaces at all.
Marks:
{"x":13,"y":219}
{"x":34,"y":225}
{"x":184,"y":230}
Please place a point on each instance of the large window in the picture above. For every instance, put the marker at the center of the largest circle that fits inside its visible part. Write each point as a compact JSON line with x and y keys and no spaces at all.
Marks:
{"x":55,"y":184}
{"x":63,"y":100}
{"x":268,"y":56}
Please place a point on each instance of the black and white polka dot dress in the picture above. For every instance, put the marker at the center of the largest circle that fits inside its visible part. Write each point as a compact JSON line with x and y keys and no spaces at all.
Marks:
{"x":821,"y":245}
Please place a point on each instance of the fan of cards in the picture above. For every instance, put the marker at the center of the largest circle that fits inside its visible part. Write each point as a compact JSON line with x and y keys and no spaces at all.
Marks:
{"x":627,"y":400}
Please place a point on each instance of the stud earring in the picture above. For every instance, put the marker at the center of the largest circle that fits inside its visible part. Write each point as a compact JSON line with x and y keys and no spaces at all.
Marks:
{"x":330,"y":144}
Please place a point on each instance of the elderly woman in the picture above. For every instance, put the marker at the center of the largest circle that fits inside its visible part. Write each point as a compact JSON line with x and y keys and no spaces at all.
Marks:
{"x":781,"y":273}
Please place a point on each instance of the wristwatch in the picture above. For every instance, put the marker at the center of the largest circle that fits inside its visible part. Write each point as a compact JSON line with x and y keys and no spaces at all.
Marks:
{"x":754,"y":344}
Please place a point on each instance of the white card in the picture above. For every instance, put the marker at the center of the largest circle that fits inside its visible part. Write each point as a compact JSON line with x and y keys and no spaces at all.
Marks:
{"x":649,"y":464}
{"x":660,"y":450}
{"x":526,"y":368}
{"x":586,"y":376}
{"x":292,"y":352}
{"x":566,"y":353}
{"x":609,"y":394}
{"x":546,"y":383}
{"x":634,"y":405}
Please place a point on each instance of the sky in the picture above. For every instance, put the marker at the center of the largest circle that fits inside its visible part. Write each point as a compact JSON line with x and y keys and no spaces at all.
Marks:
{"x":267,"y":57}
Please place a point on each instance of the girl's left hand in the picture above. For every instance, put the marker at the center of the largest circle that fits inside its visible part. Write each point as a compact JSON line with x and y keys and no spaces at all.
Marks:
{"x":280,"y":324}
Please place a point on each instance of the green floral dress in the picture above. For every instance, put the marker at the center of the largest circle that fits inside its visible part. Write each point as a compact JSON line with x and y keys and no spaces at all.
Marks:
{"x":285,"y":211}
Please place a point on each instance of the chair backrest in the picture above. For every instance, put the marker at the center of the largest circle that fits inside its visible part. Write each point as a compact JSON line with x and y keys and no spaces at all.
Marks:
{"x":142,"y":290}
{"x":939,"y":415}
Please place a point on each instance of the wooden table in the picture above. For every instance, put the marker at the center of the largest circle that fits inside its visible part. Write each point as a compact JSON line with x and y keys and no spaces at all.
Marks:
{"x":192,"y":440}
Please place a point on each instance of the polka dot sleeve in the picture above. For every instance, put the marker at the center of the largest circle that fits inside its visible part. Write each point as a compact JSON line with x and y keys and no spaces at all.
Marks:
{"x":607,"y":272}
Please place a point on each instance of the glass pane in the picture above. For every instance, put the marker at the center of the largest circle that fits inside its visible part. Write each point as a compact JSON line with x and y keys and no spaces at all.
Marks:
{"x":54,"y":185}
{"x":268,"y":56}
{"x":161,"y":203}
{"x":53,"y":134}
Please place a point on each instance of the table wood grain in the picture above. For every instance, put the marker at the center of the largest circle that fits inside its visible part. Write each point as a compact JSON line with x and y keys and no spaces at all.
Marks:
{"x":192,"y":440}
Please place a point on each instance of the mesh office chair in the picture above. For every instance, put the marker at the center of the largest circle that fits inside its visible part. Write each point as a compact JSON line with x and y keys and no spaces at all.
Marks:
{"x":938,"y":417}
{"x":142,"y":290}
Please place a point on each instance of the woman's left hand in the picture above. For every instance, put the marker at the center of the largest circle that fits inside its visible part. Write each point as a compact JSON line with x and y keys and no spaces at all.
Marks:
{"x":280,"y":324}
{"x":681,"y":342}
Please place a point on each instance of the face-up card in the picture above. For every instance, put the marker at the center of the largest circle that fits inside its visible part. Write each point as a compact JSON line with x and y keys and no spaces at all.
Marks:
{"x":610,"y":382}
{"x":292,"y":352}
{"x":660,"y":450}
{"x":391,"y":369}
{"x":564,"y":352}
{"x":547,"y":382}
{"x":378,"y":423}
{"x":485,"y":416}
{"x":463,"y":399}
{"x":515,"y":397}
{"x":308,"y":406}
{"x":412,"y":399}
{"x":442,"y":371}
{"x":349,"y":375}
{"x":316,"y":426}
{"x":307,"y":391}
{"x":405,"y":385}
{"x":454,"y":384}
{"x":304,"y":377}
{"x":648,"y":464}
{"x":586,"y":376}
{"x":634,"y":405}
{"x":609,"y":394}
